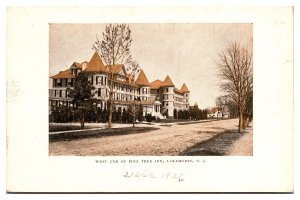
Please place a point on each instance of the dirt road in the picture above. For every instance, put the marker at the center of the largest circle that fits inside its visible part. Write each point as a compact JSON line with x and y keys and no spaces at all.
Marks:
{"x":170,"y":139}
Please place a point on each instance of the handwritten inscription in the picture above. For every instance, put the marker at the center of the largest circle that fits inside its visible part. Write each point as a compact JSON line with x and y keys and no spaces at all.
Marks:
{"x":145,"y":174}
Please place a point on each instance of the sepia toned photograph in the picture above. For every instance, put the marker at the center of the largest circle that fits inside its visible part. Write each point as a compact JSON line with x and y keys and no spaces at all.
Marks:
{"x":170,"y":89}
{"x":149,"y":99}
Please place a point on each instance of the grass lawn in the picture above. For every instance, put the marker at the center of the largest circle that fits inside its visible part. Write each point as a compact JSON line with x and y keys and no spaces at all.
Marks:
{"x":86,"y":133}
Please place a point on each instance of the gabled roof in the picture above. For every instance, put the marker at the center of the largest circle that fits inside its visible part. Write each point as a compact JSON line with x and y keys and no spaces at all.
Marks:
{"x":156,"y":84}
{"x":184,"y":89}
{"x":116,"y":69}
{"x":168,"y":82}
{"x":63,"y":74}
{"x":95,"y":64}
{"x":142,"y":79}
{"x":177,"y":90}
{"x":78,"y":65}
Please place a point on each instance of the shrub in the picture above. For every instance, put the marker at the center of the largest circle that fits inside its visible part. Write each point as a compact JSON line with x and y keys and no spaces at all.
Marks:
{"x":61,"y":114}
{"x":149,"y":118}
{"x":118,"y":114}
{"x":140,"y":116}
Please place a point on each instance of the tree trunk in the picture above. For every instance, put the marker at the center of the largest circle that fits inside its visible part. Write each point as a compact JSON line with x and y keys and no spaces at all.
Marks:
{"x":241,"y":121}
{"x":245,"y":122}
{"x":82,"y":123}
{"x":110,"y":99}
{"x":110,"y":109}
{"x":133,"y":111}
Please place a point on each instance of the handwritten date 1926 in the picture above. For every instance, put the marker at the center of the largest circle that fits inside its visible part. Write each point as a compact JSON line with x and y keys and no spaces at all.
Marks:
{"x":145,"y":174}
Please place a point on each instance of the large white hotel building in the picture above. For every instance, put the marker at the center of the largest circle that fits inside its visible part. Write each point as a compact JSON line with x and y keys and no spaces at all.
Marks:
{"x":159,"y":98}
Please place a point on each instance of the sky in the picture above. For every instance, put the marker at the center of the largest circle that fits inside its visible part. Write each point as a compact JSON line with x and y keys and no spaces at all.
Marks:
{"x":185,"y":52}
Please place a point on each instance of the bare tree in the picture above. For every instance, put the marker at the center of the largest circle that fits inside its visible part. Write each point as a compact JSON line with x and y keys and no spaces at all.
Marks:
{"x":235,"y":68}
{"x":221,"y":104}
{"x":248,"y":112}
{"x":227,"y":104}
{"x":133,"y":69}
{"x":115,"y":49}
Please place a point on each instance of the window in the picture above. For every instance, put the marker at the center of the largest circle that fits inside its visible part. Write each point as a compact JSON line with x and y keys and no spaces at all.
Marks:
{"x":105,"y":80}
{"x":70,"y":82}
{"x":99,"y":92}
{"x":167,"y":89}
{"x":58,"y":82}
{"x":60,"y":93}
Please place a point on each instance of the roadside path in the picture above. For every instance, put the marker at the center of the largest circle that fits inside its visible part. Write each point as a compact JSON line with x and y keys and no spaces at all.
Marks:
{"x":168,"y":140}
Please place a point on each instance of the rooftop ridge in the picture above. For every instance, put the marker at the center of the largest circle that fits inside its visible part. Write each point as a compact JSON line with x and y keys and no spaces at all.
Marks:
{"x":142,"y":79}
{"x":168,"y":82}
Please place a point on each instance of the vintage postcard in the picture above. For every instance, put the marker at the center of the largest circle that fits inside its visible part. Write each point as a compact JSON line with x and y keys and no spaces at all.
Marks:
{"x":110,"y":100}
{"x":162,"y":94}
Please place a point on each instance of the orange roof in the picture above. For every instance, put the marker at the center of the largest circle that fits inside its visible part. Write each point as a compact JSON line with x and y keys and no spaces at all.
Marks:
{"x":63,"y":74}
{"x":156,"y":84}
{"x":184,"y":88}
{"x":115,"y":69}
{"x":168,"y":82}
{"x":79,"y":65}
{"x":142,"y":79}
{"x":95,"y":64}
{"x":177,"y":90}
